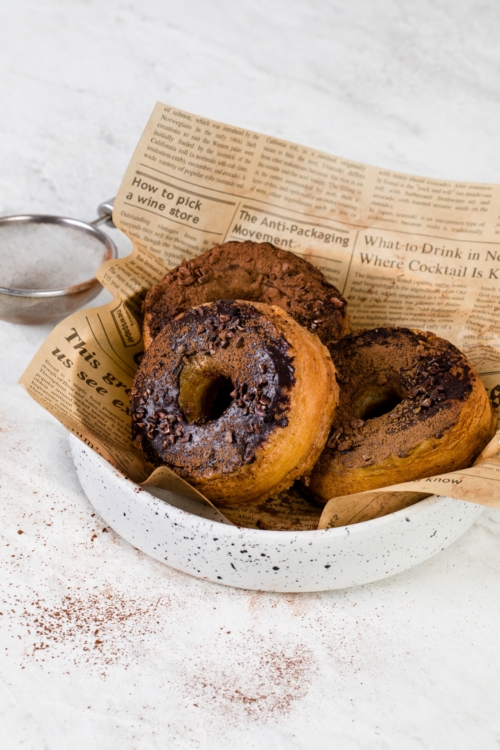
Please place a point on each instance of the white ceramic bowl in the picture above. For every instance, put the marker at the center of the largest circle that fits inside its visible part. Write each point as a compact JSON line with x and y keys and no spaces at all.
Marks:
{"x":192,"y":537}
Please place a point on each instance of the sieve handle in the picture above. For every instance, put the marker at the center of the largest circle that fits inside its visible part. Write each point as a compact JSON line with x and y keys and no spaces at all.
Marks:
{"x":105,"y":214}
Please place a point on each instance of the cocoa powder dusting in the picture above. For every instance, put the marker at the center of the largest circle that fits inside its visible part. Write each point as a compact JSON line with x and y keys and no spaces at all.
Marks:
{"x":417,"y":381}
{"x":98,"y":629}
{"x":257,"y":405}
{"x":266,"y":681}
{"x":254,"y":271}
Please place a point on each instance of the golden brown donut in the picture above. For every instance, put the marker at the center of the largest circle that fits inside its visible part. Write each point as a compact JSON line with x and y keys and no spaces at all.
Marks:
{"x":236,"y":398}
{"x":254,"y":271}
{"x":411,"y":405}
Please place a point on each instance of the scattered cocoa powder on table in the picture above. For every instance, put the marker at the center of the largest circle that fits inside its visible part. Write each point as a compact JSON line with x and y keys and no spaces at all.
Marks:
{"x":97,"y":629}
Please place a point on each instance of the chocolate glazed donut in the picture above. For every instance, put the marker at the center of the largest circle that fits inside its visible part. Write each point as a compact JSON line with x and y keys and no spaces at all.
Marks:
{"x":257,"y":272}
{"x":237,"y":398}
{"x":411,"y":406}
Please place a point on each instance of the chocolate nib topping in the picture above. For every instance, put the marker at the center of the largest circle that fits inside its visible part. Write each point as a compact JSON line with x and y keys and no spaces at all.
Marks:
{"x":235,"y":344}
{"x":252,"y":271}
{"x":399,"y":387}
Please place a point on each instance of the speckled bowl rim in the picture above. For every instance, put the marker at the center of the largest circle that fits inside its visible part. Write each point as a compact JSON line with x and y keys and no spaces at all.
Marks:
{"x":340,"y":531}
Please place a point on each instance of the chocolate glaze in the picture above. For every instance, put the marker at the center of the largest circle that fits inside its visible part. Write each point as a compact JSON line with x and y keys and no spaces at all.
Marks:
{"x":253,"y":271}
{"x":429,"y":377}
{"x":249,"y":350}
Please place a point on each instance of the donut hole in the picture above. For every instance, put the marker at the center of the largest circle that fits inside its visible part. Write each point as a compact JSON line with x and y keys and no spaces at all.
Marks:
{"x":204,"y":391}
{"x":378,"y":400}
{"x":218,"y":397}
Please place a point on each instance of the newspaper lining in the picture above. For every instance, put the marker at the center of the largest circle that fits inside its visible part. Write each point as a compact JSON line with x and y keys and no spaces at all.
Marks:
{"x":404,"y":250}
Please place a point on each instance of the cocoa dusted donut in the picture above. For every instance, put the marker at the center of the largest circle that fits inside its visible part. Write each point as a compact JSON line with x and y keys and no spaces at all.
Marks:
{"x":253,"y":271}
{"x":236,"y":398}
{"x":411,"y":406}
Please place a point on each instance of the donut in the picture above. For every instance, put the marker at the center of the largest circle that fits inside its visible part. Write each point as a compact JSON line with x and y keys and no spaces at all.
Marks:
{"x":411,"y":405}
{"x":257,"y":272}
{"x":236,"y":398}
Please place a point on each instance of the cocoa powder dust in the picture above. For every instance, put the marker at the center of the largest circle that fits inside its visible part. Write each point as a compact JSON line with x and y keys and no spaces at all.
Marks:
{"x":97,"y":629}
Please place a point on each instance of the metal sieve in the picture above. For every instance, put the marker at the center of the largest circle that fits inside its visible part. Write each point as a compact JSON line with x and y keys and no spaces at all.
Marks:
{"x":51,"y":301}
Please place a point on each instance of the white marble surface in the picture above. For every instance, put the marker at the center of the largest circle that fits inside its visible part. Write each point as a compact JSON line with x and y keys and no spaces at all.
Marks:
{"x":102,"y":647}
